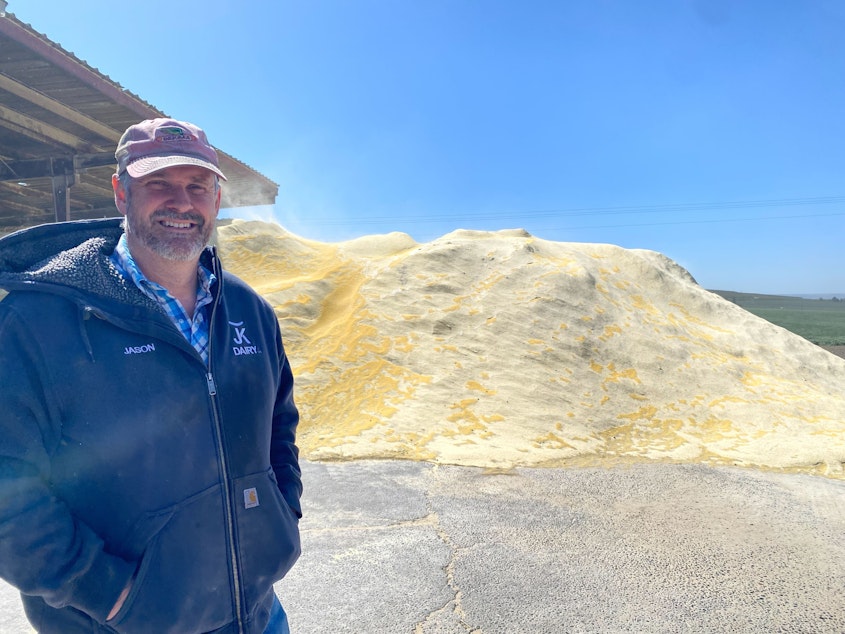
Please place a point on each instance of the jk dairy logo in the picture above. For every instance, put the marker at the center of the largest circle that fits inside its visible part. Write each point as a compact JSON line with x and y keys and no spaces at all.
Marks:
{"x":243,"y":346}
{"x":167,"y":134}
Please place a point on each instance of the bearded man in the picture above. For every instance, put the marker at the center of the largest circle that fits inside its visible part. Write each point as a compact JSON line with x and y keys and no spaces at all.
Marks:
{"x":149,"y":476}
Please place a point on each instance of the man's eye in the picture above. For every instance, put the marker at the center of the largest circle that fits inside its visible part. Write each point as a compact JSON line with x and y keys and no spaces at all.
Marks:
{"x":157,"y":185}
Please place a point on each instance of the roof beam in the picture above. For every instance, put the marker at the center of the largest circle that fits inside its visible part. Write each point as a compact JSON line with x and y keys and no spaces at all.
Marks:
{"x":13,"y":208}
{"x":34,"y":168}
{"x":28,"y":221}
{"x":90,"y":185}
{"x":14,"y":29}
{"x":43,"y":101}
{"x":38,"y":130}
{"x":82,"y":162}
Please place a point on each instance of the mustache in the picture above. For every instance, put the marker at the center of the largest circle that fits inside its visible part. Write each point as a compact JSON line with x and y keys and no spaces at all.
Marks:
{"x":164,"y":214}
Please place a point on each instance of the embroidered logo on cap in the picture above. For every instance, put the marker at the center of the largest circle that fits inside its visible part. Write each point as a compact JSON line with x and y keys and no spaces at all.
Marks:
{"x":250,"y":498}
{"x":166,"y":134}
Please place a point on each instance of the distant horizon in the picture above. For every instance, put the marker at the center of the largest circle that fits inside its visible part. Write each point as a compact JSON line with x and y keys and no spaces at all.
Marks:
{"x":799,"y":295}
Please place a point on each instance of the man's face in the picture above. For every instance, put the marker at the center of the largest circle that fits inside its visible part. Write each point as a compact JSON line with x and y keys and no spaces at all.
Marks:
{"x":170,"y":213}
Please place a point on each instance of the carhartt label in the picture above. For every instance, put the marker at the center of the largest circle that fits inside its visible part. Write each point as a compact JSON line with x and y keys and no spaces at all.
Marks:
{"x":150,"y":347}
{"x":250,"y":498}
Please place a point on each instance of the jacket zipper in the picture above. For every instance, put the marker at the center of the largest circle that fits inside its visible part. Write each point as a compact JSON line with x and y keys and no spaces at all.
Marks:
{"x":218,"y":432}
{"x":89,"y":311}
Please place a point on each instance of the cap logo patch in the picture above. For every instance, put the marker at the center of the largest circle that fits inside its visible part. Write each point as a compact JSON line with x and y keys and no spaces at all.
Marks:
{"x":173,"y":133}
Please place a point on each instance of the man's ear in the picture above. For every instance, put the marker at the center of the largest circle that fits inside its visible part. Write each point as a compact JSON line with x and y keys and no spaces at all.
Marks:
{"x":217,"y":202}
{"x":120,"y":197}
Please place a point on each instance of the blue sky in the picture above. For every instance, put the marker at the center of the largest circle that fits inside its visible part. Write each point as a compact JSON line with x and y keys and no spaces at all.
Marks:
{"x":712,"y":131}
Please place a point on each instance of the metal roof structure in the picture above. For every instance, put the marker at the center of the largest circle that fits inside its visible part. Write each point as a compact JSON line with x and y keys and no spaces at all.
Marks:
{"x":60,"y":120}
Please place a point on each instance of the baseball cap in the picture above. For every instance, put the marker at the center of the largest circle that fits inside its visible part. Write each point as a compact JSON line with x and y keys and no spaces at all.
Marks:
{"x":154,"y":144}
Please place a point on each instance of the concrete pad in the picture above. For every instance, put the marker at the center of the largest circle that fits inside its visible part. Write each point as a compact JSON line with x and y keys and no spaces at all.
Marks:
{"x":12,"y":619}
{"x":649,"y":548}
{"x":407,"y":547}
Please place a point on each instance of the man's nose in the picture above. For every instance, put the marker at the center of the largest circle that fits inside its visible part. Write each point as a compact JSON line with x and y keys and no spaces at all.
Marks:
{"x":180,"y":200}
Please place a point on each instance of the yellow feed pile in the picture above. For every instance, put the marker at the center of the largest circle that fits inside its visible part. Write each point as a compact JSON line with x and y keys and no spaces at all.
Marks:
{"x":502,"y":350}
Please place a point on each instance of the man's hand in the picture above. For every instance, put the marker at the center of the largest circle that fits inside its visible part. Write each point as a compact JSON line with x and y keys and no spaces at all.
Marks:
{"x":120,"y":600}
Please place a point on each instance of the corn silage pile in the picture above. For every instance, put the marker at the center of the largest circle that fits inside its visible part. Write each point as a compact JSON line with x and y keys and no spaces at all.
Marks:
{"x":502,"y":350}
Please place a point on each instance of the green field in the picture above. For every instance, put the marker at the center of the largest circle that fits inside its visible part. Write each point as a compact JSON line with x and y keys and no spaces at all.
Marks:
{"x":821,"y":321}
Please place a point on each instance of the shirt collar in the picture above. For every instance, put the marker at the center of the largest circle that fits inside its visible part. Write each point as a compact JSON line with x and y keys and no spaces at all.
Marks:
{"x":122,"y":257}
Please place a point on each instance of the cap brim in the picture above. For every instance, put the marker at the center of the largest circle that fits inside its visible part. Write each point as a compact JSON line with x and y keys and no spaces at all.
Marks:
{"x":149,"y":164}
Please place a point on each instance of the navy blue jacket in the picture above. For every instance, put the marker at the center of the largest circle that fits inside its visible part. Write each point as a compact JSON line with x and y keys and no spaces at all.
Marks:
{"x":122,"y":455}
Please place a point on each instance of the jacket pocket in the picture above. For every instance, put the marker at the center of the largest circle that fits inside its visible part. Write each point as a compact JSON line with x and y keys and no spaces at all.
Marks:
{"x":268,"y":535}
{"x":182,"y":581}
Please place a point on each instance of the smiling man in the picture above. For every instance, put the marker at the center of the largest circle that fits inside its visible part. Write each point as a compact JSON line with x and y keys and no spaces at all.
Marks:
{"x":149,"y":477}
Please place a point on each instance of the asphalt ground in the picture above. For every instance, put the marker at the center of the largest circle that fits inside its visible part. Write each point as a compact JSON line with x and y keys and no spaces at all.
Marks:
{"x":407,"y":547}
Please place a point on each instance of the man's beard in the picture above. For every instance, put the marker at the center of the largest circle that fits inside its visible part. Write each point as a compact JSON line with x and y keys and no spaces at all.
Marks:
{"x":164,"y":243}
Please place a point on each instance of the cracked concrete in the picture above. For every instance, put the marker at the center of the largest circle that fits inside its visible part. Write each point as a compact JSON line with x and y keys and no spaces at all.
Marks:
{"x":648,"y":548}
{"x":450,"y":617}
{"x":395,"y":547}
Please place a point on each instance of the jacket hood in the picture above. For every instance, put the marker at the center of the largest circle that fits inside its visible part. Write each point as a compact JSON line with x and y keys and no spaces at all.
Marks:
{"x":28,"y":249}
{"x":71,"y":258}
{"x":65,"y":257}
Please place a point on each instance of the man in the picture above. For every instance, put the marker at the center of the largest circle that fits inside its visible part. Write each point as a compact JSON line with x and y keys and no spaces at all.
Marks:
{"x":149,"y":480}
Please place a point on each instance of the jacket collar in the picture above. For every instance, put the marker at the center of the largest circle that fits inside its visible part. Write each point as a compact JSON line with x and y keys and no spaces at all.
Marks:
{"x":72,"y":256}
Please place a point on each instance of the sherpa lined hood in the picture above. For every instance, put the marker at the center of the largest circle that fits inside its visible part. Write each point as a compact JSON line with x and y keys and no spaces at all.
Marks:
{"x":63,"y":256}
{"x":71,"y":259}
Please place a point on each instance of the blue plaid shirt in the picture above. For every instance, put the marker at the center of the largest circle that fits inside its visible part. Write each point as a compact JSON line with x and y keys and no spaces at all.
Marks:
{"x":195,"y":330}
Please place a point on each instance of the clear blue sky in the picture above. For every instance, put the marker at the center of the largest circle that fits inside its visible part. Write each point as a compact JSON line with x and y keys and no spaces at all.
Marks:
{"x":712,"y":131}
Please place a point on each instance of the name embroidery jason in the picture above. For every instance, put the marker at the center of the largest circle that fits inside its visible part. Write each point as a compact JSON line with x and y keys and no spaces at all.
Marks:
{"x":150,"y":347}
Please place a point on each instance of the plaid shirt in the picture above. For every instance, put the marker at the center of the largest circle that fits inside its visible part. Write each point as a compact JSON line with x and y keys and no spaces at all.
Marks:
{"x":195,"y":330}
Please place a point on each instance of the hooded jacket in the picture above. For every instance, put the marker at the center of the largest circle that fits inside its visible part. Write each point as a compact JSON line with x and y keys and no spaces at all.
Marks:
{"x":122,"y":456}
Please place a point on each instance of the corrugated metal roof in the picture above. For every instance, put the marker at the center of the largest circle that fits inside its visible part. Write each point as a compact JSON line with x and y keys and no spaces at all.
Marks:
{"x":60,"y":120}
